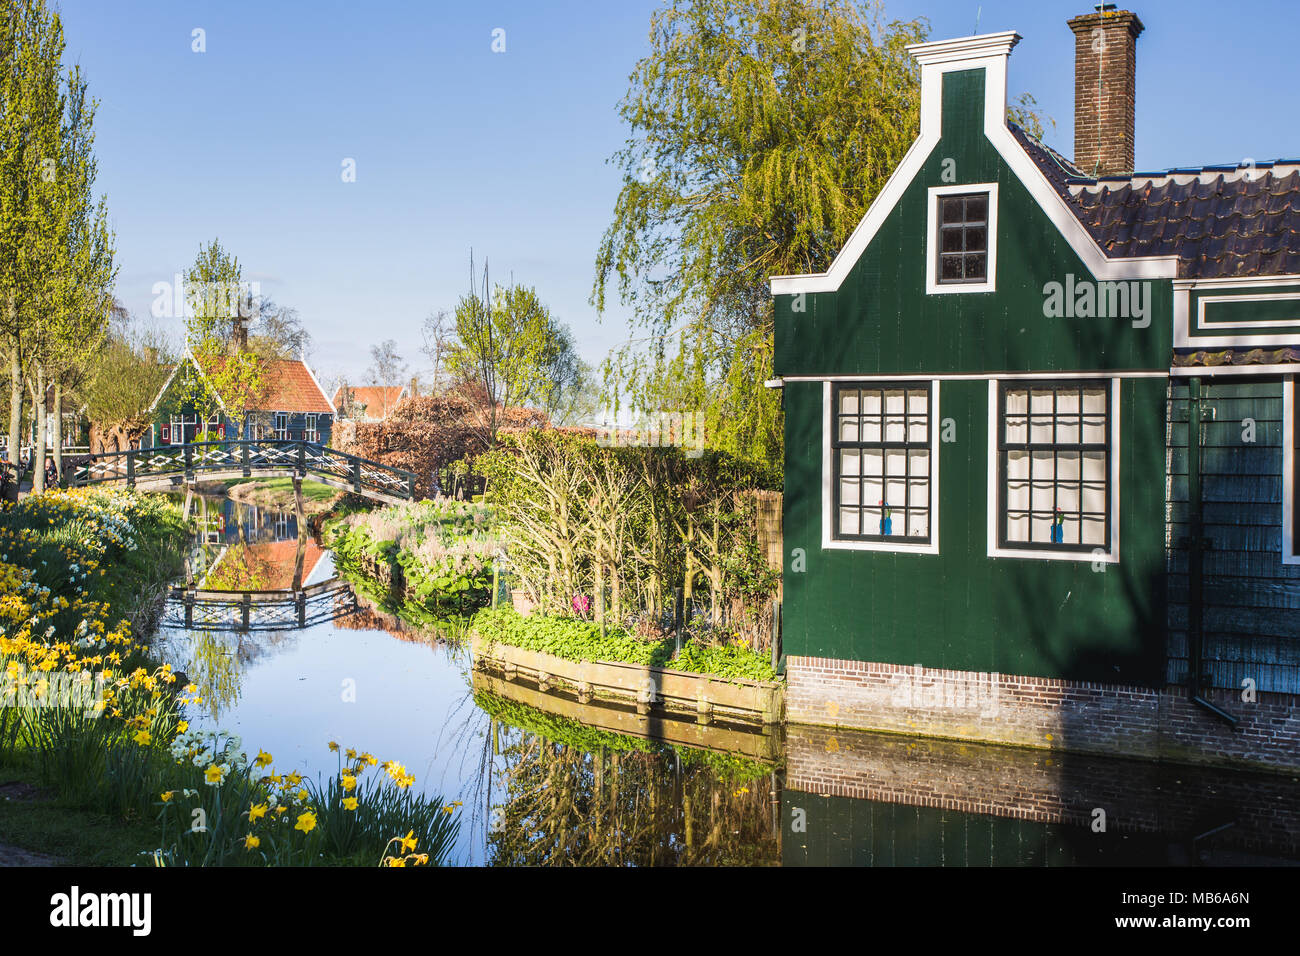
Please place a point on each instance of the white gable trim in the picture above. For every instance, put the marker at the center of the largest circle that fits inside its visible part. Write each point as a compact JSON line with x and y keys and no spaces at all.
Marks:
{"x":325,"y":398}
{"x":989,"y":52}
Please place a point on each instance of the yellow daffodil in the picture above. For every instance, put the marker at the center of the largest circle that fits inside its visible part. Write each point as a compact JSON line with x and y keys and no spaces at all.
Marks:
{"x":408,"y":841}
{"x":349,"y":803}
{"x":168,"y":795}
{"x":263,"y":759}
{"x":256,"y":812}
{"x":251,"y":842}
{"x":306,"y":822}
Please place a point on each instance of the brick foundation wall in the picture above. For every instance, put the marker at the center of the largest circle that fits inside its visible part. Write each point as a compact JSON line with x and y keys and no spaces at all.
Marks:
{"x":1138,"y":797}
{"x":1044,"y":712}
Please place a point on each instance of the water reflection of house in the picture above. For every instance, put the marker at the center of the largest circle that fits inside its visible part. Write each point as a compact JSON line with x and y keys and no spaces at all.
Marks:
{"x":265,"y":566}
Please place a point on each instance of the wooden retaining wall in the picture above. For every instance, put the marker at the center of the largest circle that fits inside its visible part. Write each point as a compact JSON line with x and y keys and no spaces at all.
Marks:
{"x":708,"y":698}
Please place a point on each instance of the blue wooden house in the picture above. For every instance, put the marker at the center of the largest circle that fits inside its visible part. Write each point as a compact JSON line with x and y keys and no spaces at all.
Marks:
{"x":291,"y":407}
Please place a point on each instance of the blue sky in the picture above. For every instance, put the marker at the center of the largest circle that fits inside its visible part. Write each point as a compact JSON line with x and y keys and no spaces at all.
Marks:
{"x":457,"y":147}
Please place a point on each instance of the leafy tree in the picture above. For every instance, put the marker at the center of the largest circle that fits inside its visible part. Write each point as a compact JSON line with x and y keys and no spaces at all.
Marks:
{"x":56,"y":251}
{"x":760,"y":132}
{"x":515,"y":350}
{"x":228,"y":374}
{"x":129,"y":370}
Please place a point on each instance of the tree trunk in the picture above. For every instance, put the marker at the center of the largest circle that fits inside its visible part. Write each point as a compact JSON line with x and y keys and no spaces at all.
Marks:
{"x":15,"y":410}
{"x":58,"y":429}
{"x":38,"y":451}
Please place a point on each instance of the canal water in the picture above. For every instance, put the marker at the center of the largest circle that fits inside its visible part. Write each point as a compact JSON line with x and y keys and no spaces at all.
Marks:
{"x":541,"y":781}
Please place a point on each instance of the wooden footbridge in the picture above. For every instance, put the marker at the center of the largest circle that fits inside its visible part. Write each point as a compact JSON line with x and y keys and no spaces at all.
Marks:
{"x":173,"y":467}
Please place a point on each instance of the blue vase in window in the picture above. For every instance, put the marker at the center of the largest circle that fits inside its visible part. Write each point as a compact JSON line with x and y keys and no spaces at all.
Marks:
{"x":1058,"y":528}
{"x":886,"y":522}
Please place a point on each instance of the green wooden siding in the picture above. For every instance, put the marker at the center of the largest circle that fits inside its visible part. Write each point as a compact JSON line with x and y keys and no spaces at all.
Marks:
{"x":961,"y":609}
{"x":881,"y":321}
{"x":1250,"y":599}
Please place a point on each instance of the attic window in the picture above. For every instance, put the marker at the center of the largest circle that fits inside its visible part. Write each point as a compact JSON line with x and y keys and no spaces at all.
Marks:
{"x":962,"y":236}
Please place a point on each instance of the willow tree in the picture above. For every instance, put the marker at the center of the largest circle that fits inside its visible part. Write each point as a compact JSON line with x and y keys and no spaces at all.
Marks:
{"x":760,"y":132}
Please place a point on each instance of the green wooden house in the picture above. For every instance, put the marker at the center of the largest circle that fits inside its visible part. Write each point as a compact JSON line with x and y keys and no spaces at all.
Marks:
{"x":987,"y":399}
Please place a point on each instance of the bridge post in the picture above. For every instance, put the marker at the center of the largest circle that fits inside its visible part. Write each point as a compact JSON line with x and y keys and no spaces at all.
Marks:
{"x":248,"y":468}
{"x":410,"y":486}
{"x":301,"y":599}
{"x":246,"y":608}
{"x":302,"y":460}
{"x":130,"y":469}
{"x":356,"y":475}
{"x":189,"y":462}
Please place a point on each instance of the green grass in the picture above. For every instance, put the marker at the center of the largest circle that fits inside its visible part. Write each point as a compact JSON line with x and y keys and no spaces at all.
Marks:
{"x":282,"y":488}
{"x":73,"y":835}
{"x":578,"y":640}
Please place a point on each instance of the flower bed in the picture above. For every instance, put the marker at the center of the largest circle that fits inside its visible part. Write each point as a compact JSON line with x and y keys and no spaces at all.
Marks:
{"x":84,"y":711}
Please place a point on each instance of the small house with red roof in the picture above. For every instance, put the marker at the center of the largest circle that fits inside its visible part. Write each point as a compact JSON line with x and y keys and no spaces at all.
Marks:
{"x":290,"y":406}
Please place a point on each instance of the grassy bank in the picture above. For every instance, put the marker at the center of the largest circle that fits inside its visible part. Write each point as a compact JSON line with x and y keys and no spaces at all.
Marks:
{"x":277,"y":493}
{"x":579,"y":640}
{"x":93,"y":732}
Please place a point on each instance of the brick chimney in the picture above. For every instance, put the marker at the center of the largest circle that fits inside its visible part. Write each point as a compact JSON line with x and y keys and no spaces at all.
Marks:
{"x":1105,"y":60}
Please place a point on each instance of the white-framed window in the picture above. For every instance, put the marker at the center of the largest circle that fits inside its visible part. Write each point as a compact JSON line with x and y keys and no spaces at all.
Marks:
{"x":1054,"y":469}
{"x":176,"y":432}
{"x":961,"y":239}
{"x":281,"y":426}
{"x":880,"y":468}
{"x":310,"y":433}
{"x":1290,"y":473}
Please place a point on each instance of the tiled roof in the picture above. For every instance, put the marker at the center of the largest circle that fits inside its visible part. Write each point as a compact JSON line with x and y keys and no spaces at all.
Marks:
{"x":1220,"y":221}
{"x":378,"y":399}
{"x":290,"y":387}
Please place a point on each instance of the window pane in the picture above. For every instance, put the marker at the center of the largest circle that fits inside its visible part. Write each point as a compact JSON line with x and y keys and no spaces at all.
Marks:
{"x":850,"y":522}
{"x":976,"y":239}
{"x":917,"y":401}
{"x":1093,"y":530}
{"x":873,"y":461}
{"x":871,"y":403}
{"x":896,"y":462}
{"x":952,"y":209}
{"x":951,"y":267}
{"x":920,"y":462}
{"x":976,"y":267}
{"x":1018,"y":528}
{"x":1094,"y":401}
{"x":849,"y":489}
{"x":850,"y":461}
{"x":918,"y":524}
{"x":870,"y":429}
{"x":848,"y":429}
{"x":977,"y":209}
{"x":1018,"y":465}
{"x":1094,"y":430}
{"x":848,"y":403}
{"x":1094,"y":466}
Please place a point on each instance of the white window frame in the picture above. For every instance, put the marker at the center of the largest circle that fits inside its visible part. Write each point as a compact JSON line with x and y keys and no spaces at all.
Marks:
{"x":932,"y":284}
{"x":1290,"y":546}
{"x":172,"y":431}
{"x":310,"y":433}
{"x":280,"y":434}
{"x":829,"y":541}
{"x":1112,"y":490}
